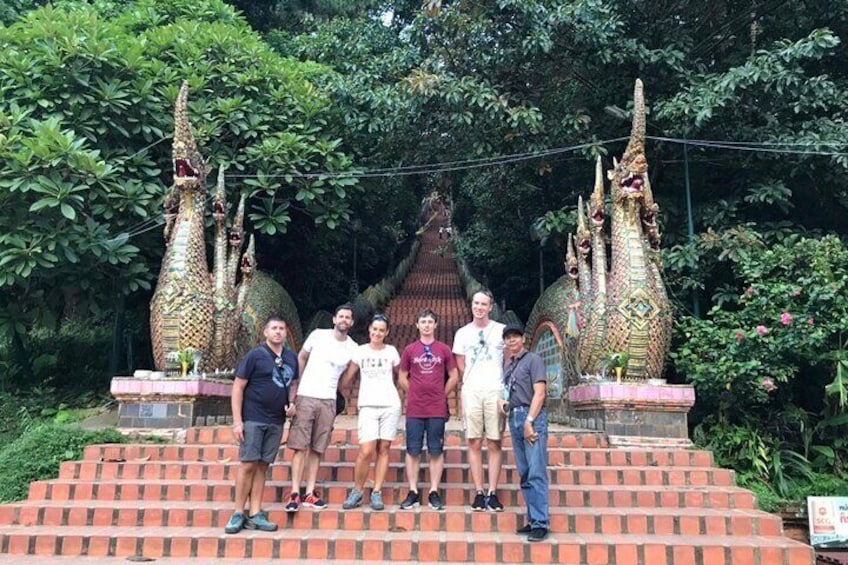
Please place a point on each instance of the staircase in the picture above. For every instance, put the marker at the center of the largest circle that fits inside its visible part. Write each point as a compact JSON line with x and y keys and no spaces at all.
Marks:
{"x":622,"y":506}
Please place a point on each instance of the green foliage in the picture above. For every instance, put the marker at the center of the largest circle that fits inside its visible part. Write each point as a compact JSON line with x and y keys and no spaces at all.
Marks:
{"x":37,"y":453}
{"x":789,"y":315}
{"x":88,"y":101}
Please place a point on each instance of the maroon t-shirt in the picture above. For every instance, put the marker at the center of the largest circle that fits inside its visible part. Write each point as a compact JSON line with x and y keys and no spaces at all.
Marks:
{"x":428,"y":372}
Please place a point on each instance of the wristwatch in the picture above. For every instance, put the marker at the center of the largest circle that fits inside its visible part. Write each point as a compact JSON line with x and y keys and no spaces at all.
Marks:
{"x":529,"y":419}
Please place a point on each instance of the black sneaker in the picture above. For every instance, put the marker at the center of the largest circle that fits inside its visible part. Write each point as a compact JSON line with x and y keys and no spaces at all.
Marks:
{"x":412,"y":500}
{"x":523,"y":529}
{"x":479,"y":503}
{"x":294,"y":503}
{"x":537,"y":534}
{"x":492,"y":503}
{"x":435,"y":501}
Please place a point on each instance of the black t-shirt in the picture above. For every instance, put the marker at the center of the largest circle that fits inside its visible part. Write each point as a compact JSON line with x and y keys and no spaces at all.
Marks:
{"x":266,"y":393}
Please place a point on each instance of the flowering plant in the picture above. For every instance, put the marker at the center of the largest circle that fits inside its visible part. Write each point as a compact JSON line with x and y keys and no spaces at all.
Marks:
{"x":185,"y":355}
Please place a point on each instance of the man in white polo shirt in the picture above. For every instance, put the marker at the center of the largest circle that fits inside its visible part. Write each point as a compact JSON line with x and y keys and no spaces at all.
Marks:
{"x":322,"y":360}
{"x":478,"y":348}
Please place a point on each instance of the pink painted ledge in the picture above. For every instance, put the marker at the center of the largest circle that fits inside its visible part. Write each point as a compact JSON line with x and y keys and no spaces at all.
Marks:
{"x":653,"y":394}
{"x":133,"y":386}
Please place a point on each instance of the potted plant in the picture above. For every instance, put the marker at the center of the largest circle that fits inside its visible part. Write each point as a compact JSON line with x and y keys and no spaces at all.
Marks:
{"x":617,"y":360}
{"x":184,"y":357}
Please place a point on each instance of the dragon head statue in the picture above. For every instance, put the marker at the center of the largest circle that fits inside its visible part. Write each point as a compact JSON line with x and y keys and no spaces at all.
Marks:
{"x":595,"y":207}
{"x":583,"y":237}
{"x":189,"y":166}
{"x":628,"y":176}
{"x":571,"y":259}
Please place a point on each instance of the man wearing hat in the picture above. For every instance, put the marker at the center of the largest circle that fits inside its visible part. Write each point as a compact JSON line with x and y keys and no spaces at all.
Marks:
{"x":525,"y":389}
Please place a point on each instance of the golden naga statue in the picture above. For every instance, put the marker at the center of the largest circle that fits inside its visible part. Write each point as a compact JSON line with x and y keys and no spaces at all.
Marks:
{"x":623,"y":310}
{"x":191,"y":307}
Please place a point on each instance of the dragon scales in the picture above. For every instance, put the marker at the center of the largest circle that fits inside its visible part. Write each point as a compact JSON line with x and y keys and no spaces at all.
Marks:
{"x":191,"y":307}
{"x":623,"y":308}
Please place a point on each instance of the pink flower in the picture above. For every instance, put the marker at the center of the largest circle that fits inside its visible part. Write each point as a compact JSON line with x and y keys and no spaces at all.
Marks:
{"x":786,"y":319}
{"x":768,"y":384}
{"x":750,"y":291}
{"x":797,"y":292}
{"x":762,"y":330}
{"x":810,"y":322}
{"x":740,"y":336}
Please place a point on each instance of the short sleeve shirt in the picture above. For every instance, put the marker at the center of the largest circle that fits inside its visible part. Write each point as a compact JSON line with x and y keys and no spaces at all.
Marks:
{"x":521,"y":374}
{"x":428,"y":372}
{"x":328,"y":358}
{"x":266,"y":393}
{"x":483,"y":351}
{"x":376,"y":375}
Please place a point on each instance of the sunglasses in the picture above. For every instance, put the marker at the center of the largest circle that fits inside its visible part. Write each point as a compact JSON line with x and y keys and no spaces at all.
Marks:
{"x":482,"y":338}
{"x":380,"y":318}
{"x":278,"y":361}
{"x":428,"y":353}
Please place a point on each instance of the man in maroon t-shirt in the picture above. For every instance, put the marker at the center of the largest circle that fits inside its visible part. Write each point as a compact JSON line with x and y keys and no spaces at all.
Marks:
{"x":428,"y":374}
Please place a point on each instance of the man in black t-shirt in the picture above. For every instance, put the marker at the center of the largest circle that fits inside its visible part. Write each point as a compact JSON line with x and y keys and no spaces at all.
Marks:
{"x":260,"y":405}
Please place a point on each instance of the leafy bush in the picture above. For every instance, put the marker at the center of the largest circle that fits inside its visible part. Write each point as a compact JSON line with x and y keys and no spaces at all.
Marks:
{"x":37,"y":453}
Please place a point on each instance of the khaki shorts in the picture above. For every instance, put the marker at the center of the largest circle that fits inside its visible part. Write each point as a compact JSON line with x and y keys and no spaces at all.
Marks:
{"x":312,"y":425}
{"x":481,"y":415}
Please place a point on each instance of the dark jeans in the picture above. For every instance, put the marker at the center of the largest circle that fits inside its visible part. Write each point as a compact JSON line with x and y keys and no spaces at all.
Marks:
{"x":532,"y":463}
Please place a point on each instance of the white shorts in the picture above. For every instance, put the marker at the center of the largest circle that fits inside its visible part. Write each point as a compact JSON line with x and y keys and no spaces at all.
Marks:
{"x":378,"y":422}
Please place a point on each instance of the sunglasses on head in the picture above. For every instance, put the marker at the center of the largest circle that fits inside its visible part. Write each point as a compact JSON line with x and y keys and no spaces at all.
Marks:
{"x":380,"y":318}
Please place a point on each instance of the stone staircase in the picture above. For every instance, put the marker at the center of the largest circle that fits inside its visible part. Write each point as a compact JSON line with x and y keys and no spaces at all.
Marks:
{"x":169,"y":502}
{"x":609,"y":505}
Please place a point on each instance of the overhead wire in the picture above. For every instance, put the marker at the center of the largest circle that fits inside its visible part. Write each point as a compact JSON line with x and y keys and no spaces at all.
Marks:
{"x":468,"y":164}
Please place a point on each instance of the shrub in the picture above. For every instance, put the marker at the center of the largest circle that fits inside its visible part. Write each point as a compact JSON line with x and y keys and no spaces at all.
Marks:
{"x":37,"y":453}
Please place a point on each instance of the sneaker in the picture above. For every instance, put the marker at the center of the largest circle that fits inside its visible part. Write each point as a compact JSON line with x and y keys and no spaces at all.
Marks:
{"x":294,"y":503}
{"x":537,"y":534}
{"x":435,"y":501}
{"x":524,"y":529}
{"x":412,"y":500}
{"x":236,"y":523}
{"x":493,"y":504}
{"x":377,"y":500}
{"x":314,"y":501}
{"x":353,"y":500}
{"x":479,"y":503}
{"x":260,"y":521}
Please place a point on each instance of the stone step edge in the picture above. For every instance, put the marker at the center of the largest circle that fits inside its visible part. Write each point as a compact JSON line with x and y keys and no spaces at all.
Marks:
{"x":424,"y":546}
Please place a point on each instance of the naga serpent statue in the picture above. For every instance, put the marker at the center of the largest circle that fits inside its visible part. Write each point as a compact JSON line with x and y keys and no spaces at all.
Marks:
{"x":191,"y":307}
{"x":623,"y":309}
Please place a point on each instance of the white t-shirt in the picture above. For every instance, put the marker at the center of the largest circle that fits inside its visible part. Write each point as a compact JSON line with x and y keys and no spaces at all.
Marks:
{"x":376,"y":378}
{"x":328,"y":358}
{"x":483,"y":351}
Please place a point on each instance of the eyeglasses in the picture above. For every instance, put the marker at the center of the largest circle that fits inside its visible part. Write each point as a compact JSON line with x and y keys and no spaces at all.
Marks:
{"x":428,"y":353}
{"x":482,"y":338}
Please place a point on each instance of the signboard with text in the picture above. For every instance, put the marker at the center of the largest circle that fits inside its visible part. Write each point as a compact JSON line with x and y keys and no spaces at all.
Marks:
{"x":828,"y":521}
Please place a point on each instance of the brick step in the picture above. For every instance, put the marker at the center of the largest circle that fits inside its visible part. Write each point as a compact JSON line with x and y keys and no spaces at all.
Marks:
{"x":570,"y":549}
{"x":453,"y":454}
{"x":350,"y":435}
{"x":453,"y":473}
{"x":454,"y":494}
{"x":661,"y":521}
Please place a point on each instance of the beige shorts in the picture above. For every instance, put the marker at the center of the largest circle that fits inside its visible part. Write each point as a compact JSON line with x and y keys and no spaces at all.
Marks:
{"x":378,"y":422}
{"x":312,"y":424}
{"x":481,"y":415}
